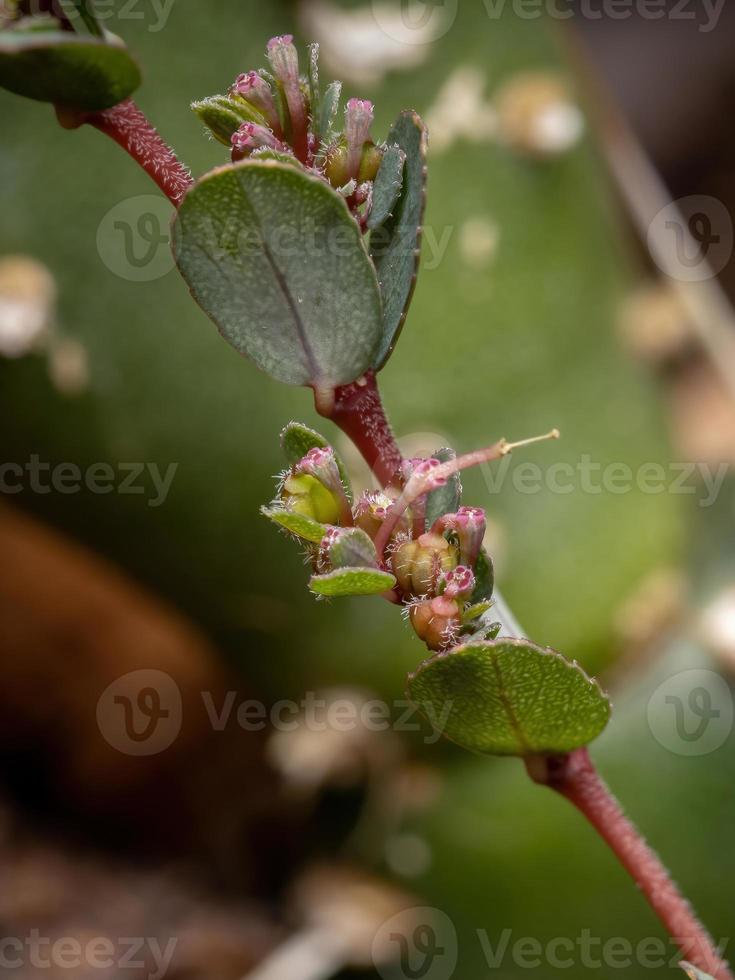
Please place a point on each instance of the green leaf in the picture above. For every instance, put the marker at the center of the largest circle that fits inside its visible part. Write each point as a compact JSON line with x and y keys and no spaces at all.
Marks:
{"x":298,"y":524}
{"x":395,"y":244}
{"x":352,"y":581}
{"x":224,"y":114}
{"x":387,"y":186}
{"x":329,"y":107}
{"x":446,"y":499}
{"x":353,"y":549}
{"x":296,"y":441}
{"x":510,"y":697}
{"x":475,"y":611}
{"x":274,"y":257}
{"x":693,"y":972}
{"x":484,"y":578}
{"x":70,"y":70}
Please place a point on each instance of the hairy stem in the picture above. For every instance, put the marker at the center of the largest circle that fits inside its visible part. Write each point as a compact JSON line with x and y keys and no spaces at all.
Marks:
{"x":575,"y":777}
{"x":358,"y":411}
{"x":128,"y":126}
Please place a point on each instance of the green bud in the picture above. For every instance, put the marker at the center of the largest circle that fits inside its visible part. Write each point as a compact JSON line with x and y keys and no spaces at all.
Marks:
{"x":306,"y":495}
{"x":418,"y":565}
{"x":372,"y":157}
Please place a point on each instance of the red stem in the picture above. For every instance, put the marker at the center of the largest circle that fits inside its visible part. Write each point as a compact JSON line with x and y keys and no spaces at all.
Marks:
{"x":357,"y":409}
{"x":128,"y":126}
{"x":575,"y":777}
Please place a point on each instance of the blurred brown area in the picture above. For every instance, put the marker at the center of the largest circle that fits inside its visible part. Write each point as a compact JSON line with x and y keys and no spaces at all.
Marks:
{"x":70,"y":625}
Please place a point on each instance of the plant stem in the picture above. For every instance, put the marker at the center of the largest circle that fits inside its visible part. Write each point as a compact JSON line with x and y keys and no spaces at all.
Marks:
{"x":358,"y":411}
{"x":575,"y":777}
{"x":128,"y":126}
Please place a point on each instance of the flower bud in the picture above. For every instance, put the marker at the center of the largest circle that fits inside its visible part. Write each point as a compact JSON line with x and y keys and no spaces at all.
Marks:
{"x":306,"y":495}
{"x":255,"y":89}
{"x":284,"y":59}
{"x":358,"y":119}
{"x":251,"y":136}
{"x":418,"y":565}
{"x":321,"y":464}
{"x":458,"y":583}
{"x":370,"y":160}
{"x":436,"y":621}
{"x":469,"y":524}
{"x":335,"y":167}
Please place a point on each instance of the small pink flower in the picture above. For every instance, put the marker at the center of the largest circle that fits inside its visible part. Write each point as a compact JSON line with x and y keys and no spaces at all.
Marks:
{"x":251,"y":136}
{"x":256,"y":90}
{"x":459,"y":583}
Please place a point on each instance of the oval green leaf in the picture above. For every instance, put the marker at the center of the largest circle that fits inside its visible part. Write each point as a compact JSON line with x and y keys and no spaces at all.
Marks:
{"x":274,"y":257}
{"x":510,"y":697}
{"x":484,"y":578}
{"x":353,"y":549}
{"x":395,"y":244}
{"x":387,"y":186}
{"x":70,"y":70}
{"x":352,"y":581}
{"x":298,"y":524}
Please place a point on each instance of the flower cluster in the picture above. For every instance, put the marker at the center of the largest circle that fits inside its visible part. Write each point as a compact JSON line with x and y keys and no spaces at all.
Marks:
{"x":385,"y":543}
{"x":282,"y":114}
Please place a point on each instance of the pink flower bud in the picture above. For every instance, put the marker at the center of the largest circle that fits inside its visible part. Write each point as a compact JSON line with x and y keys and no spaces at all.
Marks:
{"x":469,"y":524}
{"x":284,"y":59}
{"x":320,"y":463}
{"x":256,"y":90}
{"x":358,"y":119}
{"x":251,"y":136}
{"x":458,"y":583}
